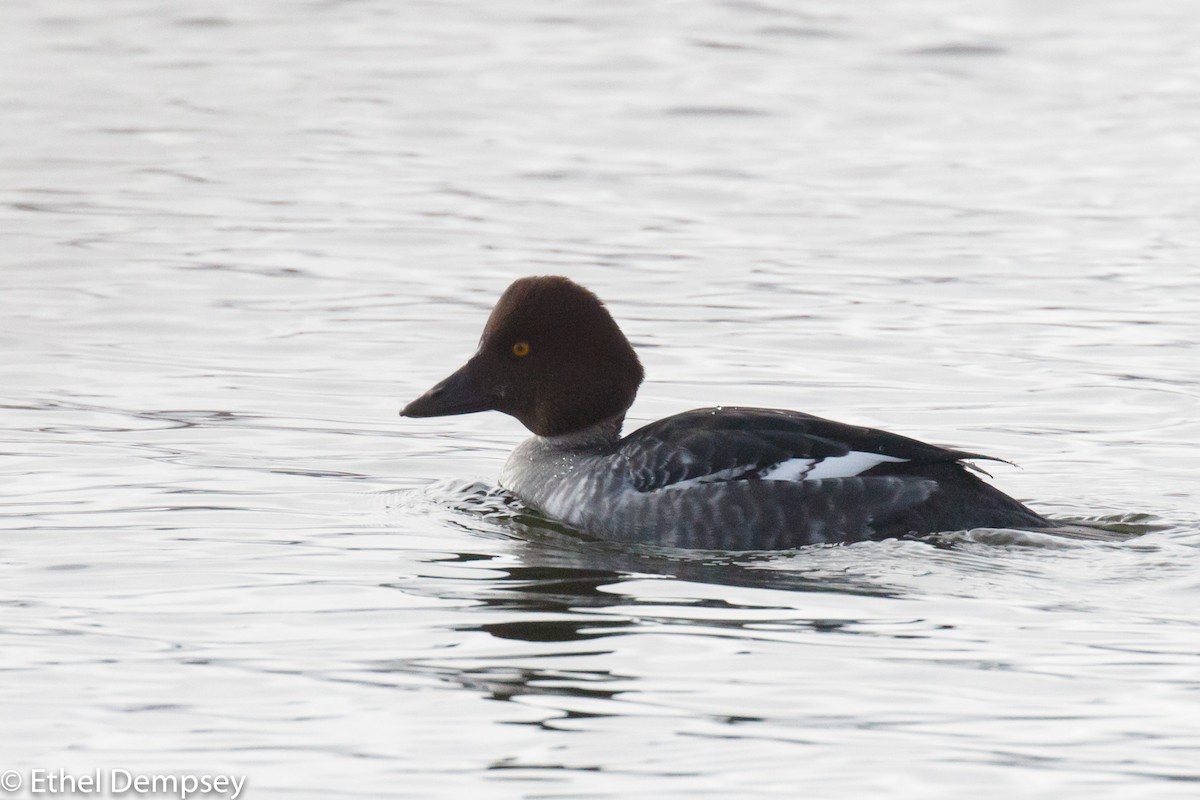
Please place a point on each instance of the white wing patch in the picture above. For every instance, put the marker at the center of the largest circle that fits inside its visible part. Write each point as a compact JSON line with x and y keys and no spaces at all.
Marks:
{"x":853,"y":463}
{"x":796,"y":469}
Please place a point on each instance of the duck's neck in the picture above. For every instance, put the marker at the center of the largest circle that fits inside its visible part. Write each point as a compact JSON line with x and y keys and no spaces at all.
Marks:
{"x":601,"y":436}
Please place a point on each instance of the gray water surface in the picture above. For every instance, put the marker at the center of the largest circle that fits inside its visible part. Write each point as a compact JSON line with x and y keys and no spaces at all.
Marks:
{"x":238,"y":237}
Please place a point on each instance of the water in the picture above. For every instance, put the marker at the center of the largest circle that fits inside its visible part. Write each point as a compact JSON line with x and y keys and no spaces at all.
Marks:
{"x":240,"y":236}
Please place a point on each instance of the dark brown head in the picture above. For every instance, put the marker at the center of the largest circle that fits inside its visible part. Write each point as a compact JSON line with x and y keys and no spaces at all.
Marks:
{"x":550,"y":355}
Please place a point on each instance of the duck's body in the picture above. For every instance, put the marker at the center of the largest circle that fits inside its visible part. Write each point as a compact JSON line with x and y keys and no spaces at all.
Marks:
{"x":754,"y":479}
{"x":718,"y":478}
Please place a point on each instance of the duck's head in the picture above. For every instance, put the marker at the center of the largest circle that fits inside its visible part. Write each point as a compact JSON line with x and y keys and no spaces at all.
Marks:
{"x":550,"y":355}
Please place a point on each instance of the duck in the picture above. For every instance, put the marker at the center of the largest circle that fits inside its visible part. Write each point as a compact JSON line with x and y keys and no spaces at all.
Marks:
{"x":723,"y":478}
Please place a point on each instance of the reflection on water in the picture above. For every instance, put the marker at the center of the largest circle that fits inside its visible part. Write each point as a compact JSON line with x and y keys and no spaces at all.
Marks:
{"x":239,"y":241}
{"x":931,"y":609}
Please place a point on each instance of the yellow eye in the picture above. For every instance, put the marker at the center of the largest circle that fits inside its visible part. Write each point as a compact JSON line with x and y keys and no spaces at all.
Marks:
{"x":520,"y":349}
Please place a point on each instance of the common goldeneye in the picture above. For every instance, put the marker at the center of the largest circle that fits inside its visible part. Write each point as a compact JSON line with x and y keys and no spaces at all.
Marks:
{"x":714,"y":478}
